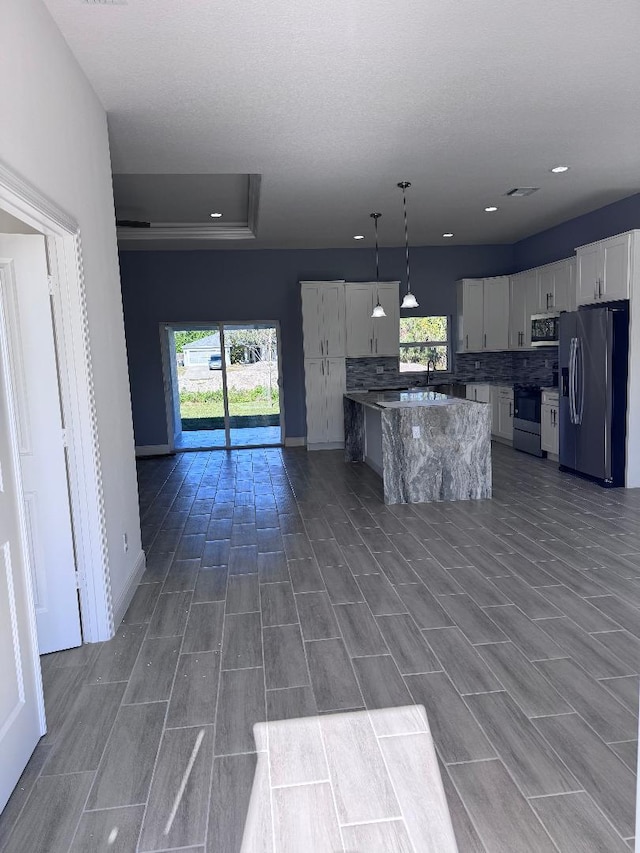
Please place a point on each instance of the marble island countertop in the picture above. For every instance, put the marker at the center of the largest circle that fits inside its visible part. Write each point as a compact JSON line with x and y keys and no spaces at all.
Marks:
{"x":426,"y":446}
{"x":402,"y":399}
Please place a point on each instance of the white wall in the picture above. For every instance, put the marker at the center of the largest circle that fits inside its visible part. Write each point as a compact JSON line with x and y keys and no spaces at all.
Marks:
{"x":54,"y":135}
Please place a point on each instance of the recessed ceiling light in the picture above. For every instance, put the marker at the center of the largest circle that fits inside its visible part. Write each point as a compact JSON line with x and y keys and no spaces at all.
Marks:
{"x":558,"y":169}
{"x":215,"y":215}
{"x":491,"y":209}
{"x":448,"y":234}
{"x":358,"y":236}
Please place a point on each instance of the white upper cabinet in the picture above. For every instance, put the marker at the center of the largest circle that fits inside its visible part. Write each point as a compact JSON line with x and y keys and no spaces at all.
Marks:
{"x":470,"y":314}
{"x":604,"y":269}
{"x":524,"y":302}
{"x":539,"y":291}
{"x":483,"y":314}
{"x":367,"y":335}
{"x":556,"y":287}
{"x":323,"y":319}
{"x":359,"y":301}
{"x":496,"y":313}
{"x":386,"y":330}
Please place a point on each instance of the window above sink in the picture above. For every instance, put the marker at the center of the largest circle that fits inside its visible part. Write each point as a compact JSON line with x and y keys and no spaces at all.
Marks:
{"x":424,"y":344}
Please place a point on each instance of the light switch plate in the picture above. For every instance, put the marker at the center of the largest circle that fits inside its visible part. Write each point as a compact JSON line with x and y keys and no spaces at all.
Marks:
{"x":416,"y":431}
{"x":380,"y":369}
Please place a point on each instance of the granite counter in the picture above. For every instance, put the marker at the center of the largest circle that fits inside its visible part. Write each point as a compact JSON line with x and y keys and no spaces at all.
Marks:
{"x":426,"y":446}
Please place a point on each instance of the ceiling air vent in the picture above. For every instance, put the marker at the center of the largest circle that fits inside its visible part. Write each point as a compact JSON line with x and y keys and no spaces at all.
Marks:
{"x":105,"y":2}
{"x":521,"y":192}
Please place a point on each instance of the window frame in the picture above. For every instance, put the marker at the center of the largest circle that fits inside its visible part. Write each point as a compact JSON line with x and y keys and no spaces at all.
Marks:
{"x":446,"y":343}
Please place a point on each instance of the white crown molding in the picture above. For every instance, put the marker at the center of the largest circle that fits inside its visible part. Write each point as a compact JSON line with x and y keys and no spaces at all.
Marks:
{"x":23,"y":198}
{"x":198,"y":230}
{"x":185,"y":231}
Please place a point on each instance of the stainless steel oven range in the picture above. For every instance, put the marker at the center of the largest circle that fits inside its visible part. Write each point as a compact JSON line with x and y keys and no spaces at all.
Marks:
{"x":527,"y":401}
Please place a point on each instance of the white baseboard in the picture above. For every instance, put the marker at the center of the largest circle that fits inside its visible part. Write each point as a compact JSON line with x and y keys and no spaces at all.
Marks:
{"x":153,"y":450}
{"x":120,"y":606}
{"x":327,"y":445}
{"x":295,"y":441}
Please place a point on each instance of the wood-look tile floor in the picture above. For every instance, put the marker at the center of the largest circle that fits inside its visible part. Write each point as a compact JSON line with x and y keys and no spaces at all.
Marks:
{"x":279,"y":586}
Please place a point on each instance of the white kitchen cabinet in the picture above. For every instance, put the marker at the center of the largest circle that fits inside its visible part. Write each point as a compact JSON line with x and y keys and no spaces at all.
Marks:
{"x":386,"y":330}
{"x":470,"y":314}
{"x":483,"y":314}
{"x":502,"y":410}
{"x":604,"y":269}
{"x":549,"y":417}
{"x":523,"y":303}
{"x":335,"y":387}
{"x":325,"y":385}
{"x":556,"y":287}
{"x":367,"y":335}
{"x":478,"y":392}
{"x":323,"y":319}
{"x":495,"y":313}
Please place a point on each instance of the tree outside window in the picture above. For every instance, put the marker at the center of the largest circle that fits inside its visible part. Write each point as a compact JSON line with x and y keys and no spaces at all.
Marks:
{"x":424,"y":340}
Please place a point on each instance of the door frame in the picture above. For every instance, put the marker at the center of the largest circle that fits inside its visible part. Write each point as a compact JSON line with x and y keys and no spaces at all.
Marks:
{"x":167,"y":375}
{"x":69,"y":309}
{"x":25,"y":561}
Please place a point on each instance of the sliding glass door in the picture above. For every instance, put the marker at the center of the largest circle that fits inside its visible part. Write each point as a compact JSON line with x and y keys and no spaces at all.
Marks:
{"x":224,"y":383}
{"x":253,"y":388}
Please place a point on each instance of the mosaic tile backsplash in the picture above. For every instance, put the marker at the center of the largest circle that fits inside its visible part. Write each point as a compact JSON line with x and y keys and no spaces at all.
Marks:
{"x":362,"y":373}
{"x":537,"y":367}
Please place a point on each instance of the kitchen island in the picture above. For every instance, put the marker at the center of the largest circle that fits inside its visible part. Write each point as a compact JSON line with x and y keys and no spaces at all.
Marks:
{"x":426,"y":446}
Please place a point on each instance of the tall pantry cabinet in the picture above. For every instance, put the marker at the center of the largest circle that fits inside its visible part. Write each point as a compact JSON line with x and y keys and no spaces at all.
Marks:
{"x":324,"y":339}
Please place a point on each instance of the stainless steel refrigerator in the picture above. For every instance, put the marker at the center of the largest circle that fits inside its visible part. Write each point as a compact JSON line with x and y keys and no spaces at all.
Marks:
{"x":592,"y":360}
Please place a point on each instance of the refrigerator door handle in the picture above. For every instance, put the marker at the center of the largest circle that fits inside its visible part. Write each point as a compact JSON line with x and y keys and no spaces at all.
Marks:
{"x":572,"y":387}
{"x":580,"y":378}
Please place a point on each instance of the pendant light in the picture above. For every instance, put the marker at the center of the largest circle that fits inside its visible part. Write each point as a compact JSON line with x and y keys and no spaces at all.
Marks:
{"x":378,"y":311}
{"x":409,"y":300}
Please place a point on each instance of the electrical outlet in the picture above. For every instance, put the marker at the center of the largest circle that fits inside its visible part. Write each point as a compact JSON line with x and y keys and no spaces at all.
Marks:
{"x":416,"y":431}
{"x":525,"y":362}
{"x":380,"y":369}
{"x":125,"y":542}
{"x":547,"y":363}
{"x":476,"y":364}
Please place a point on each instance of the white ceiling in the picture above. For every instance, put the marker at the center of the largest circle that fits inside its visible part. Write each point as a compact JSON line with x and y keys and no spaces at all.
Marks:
{"x":335,"y":102}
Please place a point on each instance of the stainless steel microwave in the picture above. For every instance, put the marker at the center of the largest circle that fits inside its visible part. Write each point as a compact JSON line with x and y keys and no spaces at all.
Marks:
{"x":545,"y":329}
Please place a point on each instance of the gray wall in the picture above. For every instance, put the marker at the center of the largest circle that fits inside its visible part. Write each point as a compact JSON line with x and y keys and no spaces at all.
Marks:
{"x":263,"y":285}
{"x":560,"y":242}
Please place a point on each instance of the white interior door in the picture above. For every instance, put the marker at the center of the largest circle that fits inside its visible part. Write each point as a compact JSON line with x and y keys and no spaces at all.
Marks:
{"x":21,"y":704}
{"x":41,"y":441}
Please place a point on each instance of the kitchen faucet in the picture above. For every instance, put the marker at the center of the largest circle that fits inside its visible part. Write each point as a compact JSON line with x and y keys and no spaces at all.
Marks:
{"x":430,"y":363}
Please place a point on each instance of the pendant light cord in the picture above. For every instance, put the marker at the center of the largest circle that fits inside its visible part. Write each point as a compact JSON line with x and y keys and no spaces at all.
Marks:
{"x":375,"y":221}
{"x":406,"y":233}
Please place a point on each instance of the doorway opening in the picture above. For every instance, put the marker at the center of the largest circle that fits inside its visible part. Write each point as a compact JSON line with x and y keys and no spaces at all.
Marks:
{"x":223,"y":385}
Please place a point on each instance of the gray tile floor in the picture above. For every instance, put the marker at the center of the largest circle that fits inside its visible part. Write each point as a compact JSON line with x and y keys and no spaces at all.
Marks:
{"x":279,"y":586}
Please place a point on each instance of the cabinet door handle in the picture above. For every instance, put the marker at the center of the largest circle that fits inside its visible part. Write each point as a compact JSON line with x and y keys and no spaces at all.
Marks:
{"x":326,"y":348}
{"x":485,"y":339}
{"x":599,"y":288}
{"x":323,"y":368}
{"x":510,"y":410}
{"x":467,"y":344}
{"x":321,"y":347}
